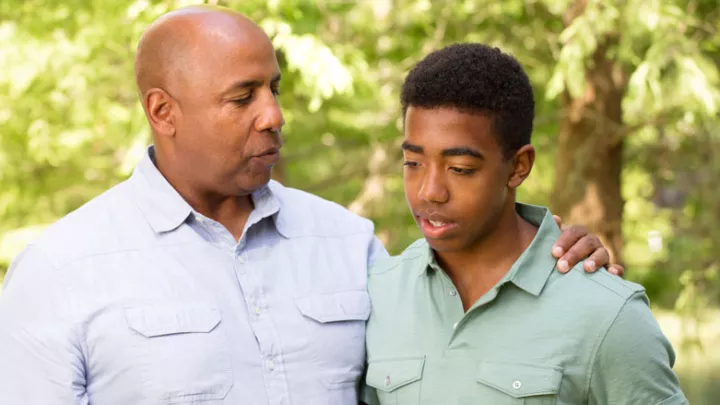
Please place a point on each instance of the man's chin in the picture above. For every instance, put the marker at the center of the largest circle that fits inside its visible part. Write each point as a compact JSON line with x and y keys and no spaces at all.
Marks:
{"x":253,"y":183}
{"x":444,"y":245}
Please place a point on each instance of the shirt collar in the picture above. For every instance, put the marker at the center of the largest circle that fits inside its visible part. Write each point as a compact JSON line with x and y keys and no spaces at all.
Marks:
{"x":165,"y":209}
{"x":532,"y":269}
{"x":268,"y":205}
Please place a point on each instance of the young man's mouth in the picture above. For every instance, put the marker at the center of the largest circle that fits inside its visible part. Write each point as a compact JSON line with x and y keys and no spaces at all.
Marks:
{"x":436,"y":228}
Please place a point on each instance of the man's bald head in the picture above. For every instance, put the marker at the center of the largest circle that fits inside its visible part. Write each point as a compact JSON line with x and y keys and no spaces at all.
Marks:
{"x":171,"y":48}
{"x":208,"y":79}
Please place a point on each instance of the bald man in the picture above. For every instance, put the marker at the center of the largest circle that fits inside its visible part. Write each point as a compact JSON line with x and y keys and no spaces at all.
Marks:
{"x":198,"y":280}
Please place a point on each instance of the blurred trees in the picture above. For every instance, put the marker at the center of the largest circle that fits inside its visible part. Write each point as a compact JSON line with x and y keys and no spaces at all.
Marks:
{"x":626,"y":130}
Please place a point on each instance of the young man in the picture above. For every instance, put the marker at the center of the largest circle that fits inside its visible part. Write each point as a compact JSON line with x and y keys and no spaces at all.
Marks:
{"x":474,"y":313}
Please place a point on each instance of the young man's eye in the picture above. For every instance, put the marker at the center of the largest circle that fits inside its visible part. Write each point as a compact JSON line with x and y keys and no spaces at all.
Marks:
{"x":460,"y":170}
{"x":409,"y":163}
{"x":275,"y":91}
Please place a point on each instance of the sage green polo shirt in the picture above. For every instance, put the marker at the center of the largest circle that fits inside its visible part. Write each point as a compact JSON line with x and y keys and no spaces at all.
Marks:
{"x":537,"y":338}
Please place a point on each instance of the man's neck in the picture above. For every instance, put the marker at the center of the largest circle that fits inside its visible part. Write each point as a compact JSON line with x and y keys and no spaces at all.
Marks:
{"x":230,"y":211}
{"x":478,"y":269}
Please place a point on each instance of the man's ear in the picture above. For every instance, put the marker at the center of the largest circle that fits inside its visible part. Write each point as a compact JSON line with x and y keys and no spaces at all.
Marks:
{"x":159,"y":106}
{"x":521,"y":165}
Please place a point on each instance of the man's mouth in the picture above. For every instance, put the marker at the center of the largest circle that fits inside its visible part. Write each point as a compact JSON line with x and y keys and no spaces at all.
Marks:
{"x":269,"y":156}
{"x":436,"y":223}
{"x":269,"y":151}
{"x":436,"y":228}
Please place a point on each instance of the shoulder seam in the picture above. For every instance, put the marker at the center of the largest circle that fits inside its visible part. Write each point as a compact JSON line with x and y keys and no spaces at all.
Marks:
{"x":399,"y":261}
{"x":617,"y":283}
{"x":377,"y":273}
{"x":343,"y":235}
{"x":74,"y":260}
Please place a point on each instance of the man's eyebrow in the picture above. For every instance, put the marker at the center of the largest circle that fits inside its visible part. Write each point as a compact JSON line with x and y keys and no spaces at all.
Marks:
{"x":459,"y":151}
{"x":250,"y":84}
{"x":243,"y":85}
{"x":412,"y":148}
{"x":463,"y":151}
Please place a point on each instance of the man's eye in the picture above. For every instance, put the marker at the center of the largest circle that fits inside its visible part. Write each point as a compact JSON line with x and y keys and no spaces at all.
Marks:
{"x":243,"y":100}
{"x":276,"y":92}
{"x":464,"y":172}
{"x":410,"y":164}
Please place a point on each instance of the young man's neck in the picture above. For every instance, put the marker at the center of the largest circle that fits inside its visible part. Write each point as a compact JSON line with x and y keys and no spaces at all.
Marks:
{"x":476,"y":270}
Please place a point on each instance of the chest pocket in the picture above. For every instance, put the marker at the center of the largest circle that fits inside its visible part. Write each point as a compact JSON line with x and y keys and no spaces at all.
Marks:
{"x":396,"y":381}
{"x":336,"y":306}
{"x":501,"y":383}
{"x":181,"y":352}
{"x":335,"y":328}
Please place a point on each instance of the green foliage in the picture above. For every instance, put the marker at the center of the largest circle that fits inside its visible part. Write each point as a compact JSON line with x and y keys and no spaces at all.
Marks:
{"x":71,"y":125}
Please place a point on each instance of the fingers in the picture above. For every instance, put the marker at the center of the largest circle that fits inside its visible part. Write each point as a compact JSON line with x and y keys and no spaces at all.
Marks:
{"x":567,"y":239}
{"x":617,"y":270}
{"x":576,"y":244}
{"x":558,"y":221}
{"x":585,"y":247}
{"x":599,"y":258}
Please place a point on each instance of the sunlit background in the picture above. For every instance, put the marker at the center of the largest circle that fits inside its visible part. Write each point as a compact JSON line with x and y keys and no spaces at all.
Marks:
{"x":627,"y":124}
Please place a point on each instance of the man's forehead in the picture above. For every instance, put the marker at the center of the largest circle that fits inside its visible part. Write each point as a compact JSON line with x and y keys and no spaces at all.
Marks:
{"x":232,"y":61}
{"x":237,"y":67}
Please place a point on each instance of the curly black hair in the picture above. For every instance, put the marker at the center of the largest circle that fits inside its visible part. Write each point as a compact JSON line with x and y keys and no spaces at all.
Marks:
{"x":476,"y":78}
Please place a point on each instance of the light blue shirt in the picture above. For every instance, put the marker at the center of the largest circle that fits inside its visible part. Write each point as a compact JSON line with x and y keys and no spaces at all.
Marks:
{"x":135,"y":299}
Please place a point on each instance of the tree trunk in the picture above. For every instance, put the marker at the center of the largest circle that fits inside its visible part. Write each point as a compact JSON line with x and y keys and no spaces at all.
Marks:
{"x":588,"y":165}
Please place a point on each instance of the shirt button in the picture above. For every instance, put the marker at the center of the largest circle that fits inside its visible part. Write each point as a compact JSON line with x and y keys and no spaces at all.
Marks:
{"x":455,"y":325}
{"x":453,"y":292}
{"x":271,"y":365}
{"x":517,"y":384}
{"x":387,"y":381}
{"x":257,"y":310}
{"x":240,"y":260}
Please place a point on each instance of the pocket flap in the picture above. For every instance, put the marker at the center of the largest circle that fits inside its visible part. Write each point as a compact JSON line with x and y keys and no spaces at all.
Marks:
{"x":167,"y":319}
{"x":336,"y":306}
{"x":389,"y":375}
{"x":520,"y":380}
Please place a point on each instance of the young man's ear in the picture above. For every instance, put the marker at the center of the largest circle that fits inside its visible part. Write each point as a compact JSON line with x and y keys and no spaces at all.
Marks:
{"x":521,"y":165}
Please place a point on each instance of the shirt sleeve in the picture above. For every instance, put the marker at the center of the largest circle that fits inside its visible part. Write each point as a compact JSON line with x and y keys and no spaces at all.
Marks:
{"x":377,"y":251}
{"x":633,"y":365}
{"x":40,"y":357}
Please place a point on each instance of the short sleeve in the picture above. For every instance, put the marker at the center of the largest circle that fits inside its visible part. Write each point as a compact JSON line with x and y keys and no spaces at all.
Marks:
{"x":377,"y":251}
{"x":633,"y":364}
